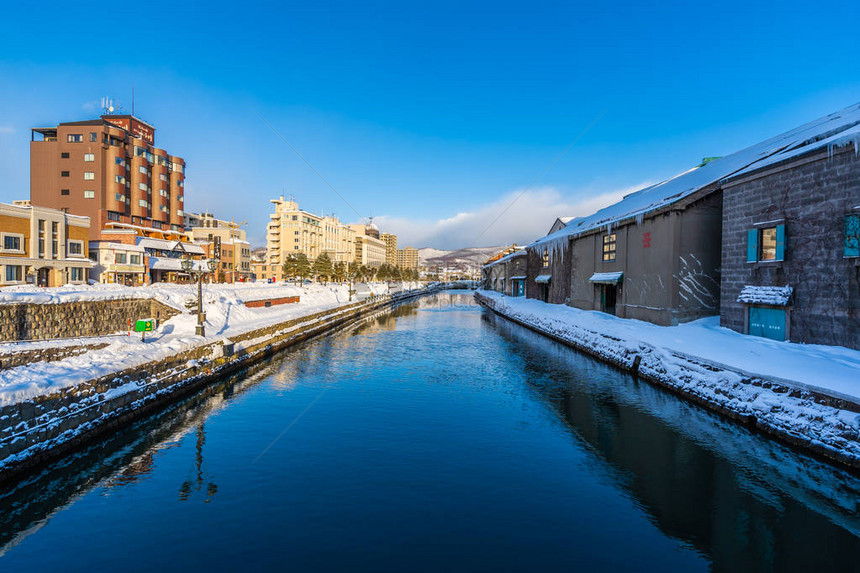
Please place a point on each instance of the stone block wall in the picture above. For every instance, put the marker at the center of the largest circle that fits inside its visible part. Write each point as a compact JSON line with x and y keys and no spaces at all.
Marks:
{"x":31,"y":321}
{"x":811,"y":196}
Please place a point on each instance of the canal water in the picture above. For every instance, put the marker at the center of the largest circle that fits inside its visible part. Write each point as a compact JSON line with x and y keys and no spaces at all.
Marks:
{"x":434,"y":437}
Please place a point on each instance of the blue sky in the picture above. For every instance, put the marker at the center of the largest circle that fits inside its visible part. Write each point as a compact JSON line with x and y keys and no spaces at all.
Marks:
{"x":432,"y":118}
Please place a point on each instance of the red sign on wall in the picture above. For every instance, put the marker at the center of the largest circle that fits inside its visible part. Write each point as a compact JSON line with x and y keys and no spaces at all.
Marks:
{"x":646,"y":240}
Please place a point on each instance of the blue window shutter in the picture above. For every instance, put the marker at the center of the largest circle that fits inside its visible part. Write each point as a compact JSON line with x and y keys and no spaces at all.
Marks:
{"x":752,"y":245}
{"x":851,"y":247}
{"x":780,"y":242}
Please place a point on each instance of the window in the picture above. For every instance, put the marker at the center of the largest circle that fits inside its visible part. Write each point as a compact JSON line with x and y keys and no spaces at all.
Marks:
{"x":766,"y":244}
{"x":156,"y":224}
{"x":141,"y":186}
{"x":13,"y":242}
{"x":75,"y":137}
{"x":120,"y":197}
{"x":163,"y":192}
{"x":64,"y":173}
{"x":76,"y":274}
{"x":64,"y":155}
{"x":89,"y":194}
{"x":119,"y":179}
{"x":119,"y":161}
{"x":162,"y":176}
{"x":139,"y":151}
{"x":13,"y":273}
{"x":112,"y":216}
{"x":89,"y":157}
{"x":64,"y":191}
{"x":851,"y":247}
{"x":142,"y":169}
{"x":94,"y":137}
{"x":134,"y":259}
{"x":142,"y":202}
{"x":75,"y":248}
{"x":545,"y":258}
{"x":89,"y":175}
{"x":119,"y":258}
{"x":609,"y":248}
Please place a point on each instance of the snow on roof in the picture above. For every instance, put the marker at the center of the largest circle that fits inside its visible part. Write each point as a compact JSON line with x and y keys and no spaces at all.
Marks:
{"x":777,"y":296}
{"x":543,"y":278}
{"x":165,"y":245}
{"x":163,"y":264}
{"x":610,"y":278}
{"x":841,"y":139}
{"x":96,"y":245}
{"x":519,"y":252}
{"x":836,"y":128}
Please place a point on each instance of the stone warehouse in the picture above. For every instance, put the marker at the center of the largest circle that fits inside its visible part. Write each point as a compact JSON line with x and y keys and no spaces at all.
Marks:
{"x":767,"y":237}
{"x":791,"y":258}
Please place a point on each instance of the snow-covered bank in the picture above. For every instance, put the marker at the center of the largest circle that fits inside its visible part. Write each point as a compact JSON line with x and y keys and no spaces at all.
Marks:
{"x":226,"y":316}
{"x":752,"y":379}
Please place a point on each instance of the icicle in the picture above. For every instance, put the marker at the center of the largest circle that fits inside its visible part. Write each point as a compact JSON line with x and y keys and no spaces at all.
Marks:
{"x":639,"y":218}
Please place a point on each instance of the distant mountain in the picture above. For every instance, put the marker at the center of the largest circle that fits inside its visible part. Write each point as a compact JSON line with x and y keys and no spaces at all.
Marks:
{"x":468,"y":260}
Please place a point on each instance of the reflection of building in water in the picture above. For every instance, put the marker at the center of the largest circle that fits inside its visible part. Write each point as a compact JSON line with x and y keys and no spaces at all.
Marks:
{"x":189,"y":486}
{"x":733,"y":495}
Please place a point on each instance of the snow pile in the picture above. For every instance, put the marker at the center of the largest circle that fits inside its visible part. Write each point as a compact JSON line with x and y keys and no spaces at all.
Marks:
{"x":754,"y":379}
{"x":776,"y":296}
{"x":226,"y":316}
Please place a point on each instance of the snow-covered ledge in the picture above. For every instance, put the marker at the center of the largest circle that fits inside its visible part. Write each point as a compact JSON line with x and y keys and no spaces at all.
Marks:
{"x":803,"y":394}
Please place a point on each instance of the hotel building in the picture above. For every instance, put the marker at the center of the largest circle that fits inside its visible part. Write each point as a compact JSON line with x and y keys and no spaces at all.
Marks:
{"x":292,"y":230}
{"x":109,"y":170}
{"x":370,"y":250}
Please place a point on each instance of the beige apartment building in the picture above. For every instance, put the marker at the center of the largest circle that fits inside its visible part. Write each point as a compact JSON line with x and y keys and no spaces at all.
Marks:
{"x":214,"y":234}
{"x":407,"y":258}
{"x":42,"y":246}
{"x":108,"y":169}
{"x":390,"y":241}
{"x":370,"y":249}
{"x":292,"y":230}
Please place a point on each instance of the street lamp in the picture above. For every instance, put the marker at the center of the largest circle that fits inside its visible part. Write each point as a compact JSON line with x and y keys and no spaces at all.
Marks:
{"x":188,"y":268}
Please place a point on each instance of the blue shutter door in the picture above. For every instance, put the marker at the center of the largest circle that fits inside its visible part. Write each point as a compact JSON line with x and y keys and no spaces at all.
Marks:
{"x":780,"y":242}
{"x":752,"y":245}
{"x":767,"y":322}
{"x":851,"y":247}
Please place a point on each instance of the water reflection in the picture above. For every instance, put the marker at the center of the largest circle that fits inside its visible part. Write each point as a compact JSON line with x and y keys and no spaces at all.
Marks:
{"x":119,"y":460}
{"x":447,"y":430}
{"x":748,"y":502}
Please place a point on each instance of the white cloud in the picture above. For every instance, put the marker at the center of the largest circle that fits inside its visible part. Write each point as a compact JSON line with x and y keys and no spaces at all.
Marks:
{"x":518,"y":217}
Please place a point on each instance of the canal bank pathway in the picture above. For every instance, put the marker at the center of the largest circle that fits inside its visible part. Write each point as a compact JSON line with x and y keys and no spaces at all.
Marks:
{"x":435,"y":436}
{"x":806,"y":395}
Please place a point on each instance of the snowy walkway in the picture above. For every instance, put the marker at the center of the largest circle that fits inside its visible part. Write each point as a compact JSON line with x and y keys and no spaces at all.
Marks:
{"x":226,"y":316}
{"x":831,"y":370}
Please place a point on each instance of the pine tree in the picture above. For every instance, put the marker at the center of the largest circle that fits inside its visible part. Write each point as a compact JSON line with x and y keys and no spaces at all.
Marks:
{"x":340,"y":271}
{"x":323,"y":267}
{"x":289,"y":267}
{"x":303,"y":266}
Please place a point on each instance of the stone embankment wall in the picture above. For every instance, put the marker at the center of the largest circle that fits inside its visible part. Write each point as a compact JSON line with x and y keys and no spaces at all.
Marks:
{"x":815,"y":422}
{"x":33,"y":321}
{"x":38,"y":430}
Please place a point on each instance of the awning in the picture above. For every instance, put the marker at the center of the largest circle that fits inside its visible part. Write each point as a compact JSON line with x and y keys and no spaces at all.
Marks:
{"x":769,"y":295}
{"x":606,"y":278}
{"x":164,"y":264}
{"x":543,"y":278}
{"x":522,"y":278}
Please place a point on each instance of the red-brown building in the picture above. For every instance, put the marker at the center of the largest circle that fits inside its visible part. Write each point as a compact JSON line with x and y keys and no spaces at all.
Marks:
{"x":109,"y":170}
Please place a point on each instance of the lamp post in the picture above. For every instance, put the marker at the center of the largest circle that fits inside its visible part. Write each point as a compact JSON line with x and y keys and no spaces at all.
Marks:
{"x":188,"y":267}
